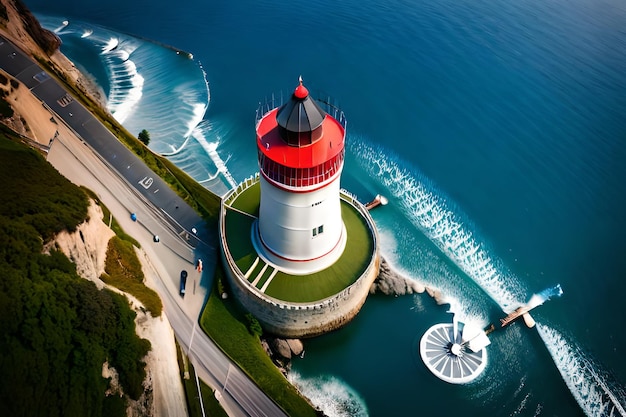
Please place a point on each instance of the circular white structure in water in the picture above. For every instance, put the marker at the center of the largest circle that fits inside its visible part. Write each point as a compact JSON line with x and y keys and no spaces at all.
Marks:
{"x":447,"y":354}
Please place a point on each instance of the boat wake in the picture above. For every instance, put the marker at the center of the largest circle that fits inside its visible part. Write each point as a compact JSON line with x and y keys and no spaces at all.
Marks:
{"x":434,"y":217}
{"x":589,"y":385}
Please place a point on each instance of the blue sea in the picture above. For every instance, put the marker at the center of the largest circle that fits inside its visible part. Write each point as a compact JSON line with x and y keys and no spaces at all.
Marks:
{"x":496,"y":129}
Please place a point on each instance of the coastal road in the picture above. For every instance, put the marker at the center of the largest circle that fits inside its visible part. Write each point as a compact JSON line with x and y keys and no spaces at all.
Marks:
{"x":118,"y":178}
{"x":103,"y":142}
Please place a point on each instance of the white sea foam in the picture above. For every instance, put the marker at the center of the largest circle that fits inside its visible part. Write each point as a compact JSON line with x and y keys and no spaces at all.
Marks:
{"x":206,"y":83}
{"x":543,"y":296}
{"x":126,"y":82}
{"x":127,"y":93}
{"x":430,"y":213}
{"x":431,"y":272}
{"x":211,"y":150}
{"x":591,"y":389}
{"x":130,"y":64}
{"x":331,"y":395}
{"x":110,"y":45}
{"x":388,"y":244}
{"x":198,"y":114}
{"x":59,"y":29}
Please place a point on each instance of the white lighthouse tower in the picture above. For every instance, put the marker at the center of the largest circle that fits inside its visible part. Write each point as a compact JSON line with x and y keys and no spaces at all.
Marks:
{"x":300,"y":154}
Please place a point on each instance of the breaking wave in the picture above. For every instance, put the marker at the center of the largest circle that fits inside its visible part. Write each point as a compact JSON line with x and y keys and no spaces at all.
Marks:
{"x":158,"y":88}
{"x":331,"y":395}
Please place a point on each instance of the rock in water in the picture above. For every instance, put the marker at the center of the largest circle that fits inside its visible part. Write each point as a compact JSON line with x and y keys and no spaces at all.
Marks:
{"x":281,"y":348}
{"x":296,"y":346}
{"x":389,"y":282}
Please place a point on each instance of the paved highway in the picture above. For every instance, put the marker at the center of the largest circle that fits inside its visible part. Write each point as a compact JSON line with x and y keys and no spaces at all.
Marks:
{"x":102,"y":141}
{"x":88,"y":154}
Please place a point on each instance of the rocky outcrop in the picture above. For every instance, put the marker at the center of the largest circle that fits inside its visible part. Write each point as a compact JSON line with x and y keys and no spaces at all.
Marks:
{"x":24,"y":29}
{"x":390,"y":282}
{"x":296,"y":346}
{"x":87,"y":246}
{"x":437,"y":295}
{"x":47,"y":41}
{"x":282,"y":350}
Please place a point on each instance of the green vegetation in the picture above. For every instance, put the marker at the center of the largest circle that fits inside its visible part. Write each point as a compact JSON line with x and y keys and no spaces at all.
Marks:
{"x":254,"y":327}
{"x":228,"y":326}
{"x":144,"y":136}
{"x":123,"y":268}
{"x":212,"y":407}
{"x":307,"y":288}
{"x":123,"y":271}
{"x":35,"y":192}
{"x":248,"y":201}
{"x":56,"y":329}
{"x":6,"y":110}
{"x":3,"y":13}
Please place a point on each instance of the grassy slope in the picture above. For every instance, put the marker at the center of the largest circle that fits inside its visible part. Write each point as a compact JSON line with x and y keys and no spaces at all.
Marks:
{"x":226,"y":324}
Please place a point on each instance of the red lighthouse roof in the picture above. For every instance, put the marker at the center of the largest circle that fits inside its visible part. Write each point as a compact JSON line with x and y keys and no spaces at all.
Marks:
{"x":299,"y":144}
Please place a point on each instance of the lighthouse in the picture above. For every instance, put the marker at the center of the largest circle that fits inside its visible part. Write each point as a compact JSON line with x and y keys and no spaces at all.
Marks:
{"x":300,"y":253}
{"x":300,"y":155}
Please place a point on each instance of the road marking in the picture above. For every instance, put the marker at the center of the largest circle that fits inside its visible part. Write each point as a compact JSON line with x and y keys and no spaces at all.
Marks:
{"x":146,"y":182}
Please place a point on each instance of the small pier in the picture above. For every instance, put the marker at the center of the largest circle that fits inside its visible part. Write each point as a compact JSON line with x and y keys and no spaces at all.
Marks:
{"x":379,"y":200}
{"x":519,"y":312}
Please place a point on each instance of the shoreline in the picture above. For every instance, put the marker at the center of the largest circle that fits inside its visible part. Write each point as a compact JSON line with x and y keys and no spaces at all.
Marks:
{"x":88,"y":251}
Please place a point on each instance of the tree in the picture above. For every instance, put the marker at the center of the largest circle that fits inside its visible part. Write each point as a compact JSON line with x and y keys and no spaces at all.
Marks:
{"x":56,"y":329}
{"x":144,"y":136}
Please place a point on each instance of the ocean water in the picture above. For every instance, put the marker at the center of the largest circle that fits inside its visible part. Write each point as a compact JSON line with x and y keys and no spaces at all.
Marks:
{"x":497,"y":130}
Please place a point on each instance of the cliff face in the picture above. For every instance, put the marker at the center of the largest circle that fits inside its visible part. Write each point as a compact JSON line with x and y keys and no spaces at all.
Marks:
{"x":87,"y":246}
{"x":46,"y":40}
{"x":22,"y":27}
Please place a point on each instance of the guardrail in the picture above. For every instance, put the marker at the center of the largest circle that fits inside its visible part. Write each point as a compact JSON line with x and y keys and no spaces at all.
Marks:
{"x":327,"y":104}
{"x":241,"y":187}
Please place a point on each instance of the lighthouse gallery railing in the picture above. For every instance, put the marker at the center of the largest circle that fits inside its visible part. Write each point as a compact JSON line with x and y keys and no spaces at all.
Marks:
{"x":327,"y":104}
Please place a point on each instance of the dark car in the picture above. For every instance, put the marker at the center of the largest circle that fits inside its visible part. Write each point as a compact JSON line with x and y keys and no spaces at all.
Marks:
{"x":183,"y":282}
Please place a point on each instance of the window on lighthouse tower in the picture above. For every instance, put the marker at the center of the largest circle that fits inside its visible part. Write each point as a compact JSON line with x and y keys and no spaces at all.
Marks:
{"x":318,"y":230}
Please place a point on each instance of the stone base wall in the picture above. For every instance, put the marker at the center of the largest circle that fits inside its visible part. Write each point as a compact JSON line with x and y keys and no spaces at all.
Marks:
{"x":298,"y":320}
